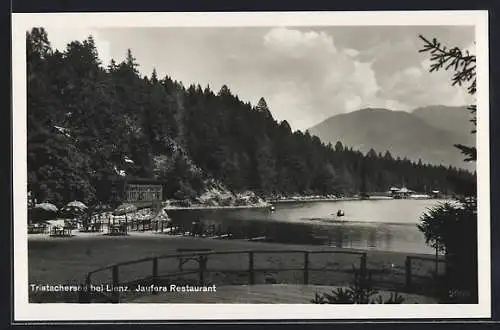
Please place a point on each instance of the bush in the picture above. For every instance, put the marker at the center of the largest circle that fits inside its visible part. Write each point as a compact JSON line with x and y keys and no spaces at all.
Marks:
{"x":185,"y":192}
{"x":361,"y":291}
{"x":452,"y":228}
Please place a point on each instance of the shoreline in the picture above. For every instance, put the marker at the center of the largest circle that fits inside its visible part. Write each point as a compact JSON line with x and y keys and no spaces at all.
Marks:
{"x":304,"y":200}
{"x":345,"y":199}
{"x":217,"y":207}
{"x":237,"y":241}
{"x":271,"y":202}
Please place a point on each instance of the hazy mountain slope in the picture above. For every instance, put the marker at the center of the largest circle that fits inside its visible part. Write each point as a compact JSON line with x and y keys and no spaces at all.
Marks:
{"x":403,"y":134}
{"x":453,"y":119}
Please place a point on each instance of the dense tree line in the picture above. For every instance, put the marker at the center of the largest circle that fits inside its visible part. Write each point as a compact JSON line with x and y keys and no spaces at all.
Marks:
{"x":87,"y":122}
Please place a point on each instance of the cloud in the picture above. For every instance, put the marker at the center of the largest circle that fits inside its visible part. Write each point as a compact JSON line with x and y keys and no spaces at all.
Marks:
{"x":306,"y":74}
{"x":415,"y":86}
{"x":295,"y":43}
{"x":327,"y":80}
{"x":351,"y":52}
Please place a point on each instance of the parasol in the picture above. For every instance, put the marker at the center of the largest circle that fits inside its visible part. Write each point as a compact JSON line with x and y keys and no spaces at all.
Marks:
{"x":77,"y":204}
{"x":70,"y":211}
{"x":46,"y":207}
{"x":43,"y":211}
{"x":73,"y":209}
{"x":124,"y":209}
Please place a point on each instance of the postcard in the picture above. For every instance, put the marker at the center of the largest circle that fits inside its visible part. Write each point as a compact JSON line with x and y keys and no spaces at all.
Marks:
{"x":251,"y":166}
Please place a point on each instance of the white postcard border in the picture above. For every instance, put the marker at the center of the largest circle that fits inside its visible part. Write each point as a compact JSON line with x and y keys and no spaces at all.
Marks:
{"x":24,"y":311}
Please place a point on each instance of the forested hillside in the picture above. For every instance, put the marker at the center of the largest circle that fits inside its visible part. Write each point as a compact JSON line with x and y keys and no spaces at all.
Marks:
{"x":90,"y":123}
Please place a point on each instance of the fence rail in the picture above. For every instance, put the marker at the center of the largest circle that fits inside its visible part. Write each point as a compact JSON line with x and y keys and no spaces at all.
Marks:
{"x":202,"y":258}
{"x":409,"y":275}
{"x":155,"y":277}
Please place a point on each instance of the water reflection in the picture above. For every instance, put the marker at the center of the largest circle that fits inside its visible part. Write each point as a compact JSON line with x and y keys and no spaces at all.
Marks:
{"x":381,"y":225}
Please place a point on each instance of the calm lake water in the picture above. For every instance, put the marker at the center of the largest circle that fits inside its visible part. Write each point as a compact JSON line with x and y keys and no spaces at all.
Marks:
{"x":386,"y":225}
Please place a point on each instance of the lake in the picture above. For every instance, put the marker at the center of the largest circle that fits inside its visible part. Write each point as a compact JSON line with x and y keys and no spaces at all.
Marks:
{"x":383,"y":225}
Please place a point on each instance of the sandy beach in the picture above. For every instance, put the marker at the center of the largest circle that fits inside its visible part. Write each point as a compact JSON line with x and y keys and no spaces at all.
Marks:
{"x":68,"y":260}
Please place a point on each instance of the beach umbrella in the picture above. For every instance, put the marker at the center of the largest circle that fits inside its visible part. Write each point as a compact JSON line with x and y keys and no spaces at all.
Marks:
{"x":46,"y":207}
{"x":71,"y":211}
{"x":77,"y":204}
{"x":43,"y":211}
{"x":125,"y":208}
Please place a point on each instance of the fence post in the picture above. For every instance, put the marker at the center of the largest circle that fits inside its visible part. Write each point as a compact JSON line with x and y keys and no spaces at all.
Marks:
{"x":155,"y":273}
{"x":87,"y":291}
{"x":363,"y":264}
{"x":306,"y":268}
{"x":201,"y":262}
{"x":84,"y":296}
{"x":251,"y":273}
{"x":116,"y":279}
{"x":408,"y":273}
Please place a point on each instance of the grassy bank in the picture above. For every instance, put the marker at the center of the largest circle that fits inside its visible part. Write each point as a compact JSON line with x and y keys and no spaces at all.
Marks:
{"x":67,"y":260}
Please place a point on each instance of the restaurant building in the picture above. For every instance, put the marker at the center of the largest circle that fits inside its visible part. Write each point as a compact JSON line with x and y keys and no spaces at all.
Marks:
{"x":142,"y":192}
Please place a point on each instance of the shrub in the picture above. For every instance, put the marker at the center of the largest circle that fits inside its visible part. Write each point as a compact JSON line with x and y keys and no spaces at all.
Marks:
{"x":360,"y":291}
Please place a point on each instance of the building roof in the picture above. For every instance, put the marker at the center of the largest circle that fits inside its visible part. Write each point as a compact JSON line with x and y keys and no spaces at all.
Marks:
{"x":135,"y":180}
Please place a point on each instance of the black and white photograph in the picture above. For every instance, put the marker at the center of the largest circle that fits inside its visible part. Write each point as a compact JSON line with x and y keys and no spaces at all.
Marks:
{"x":172,"y":166}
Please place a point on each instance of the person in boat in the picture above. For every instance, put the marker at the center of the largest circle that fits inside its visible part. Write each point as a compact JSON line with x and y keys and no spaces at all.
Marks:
{"x":194,"y":227}
{"x":340,"y":213}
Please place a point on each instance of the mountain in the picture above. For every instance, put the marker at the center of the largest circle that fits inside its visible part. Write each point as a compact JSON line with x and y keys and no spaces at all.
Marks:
{"x":452,"y":119}
{"x":422,"y":134}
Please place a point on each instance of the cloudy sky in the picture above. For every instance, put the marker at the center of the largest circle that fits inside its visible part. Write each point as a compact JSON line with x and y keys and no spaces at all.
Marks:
{"x":306,"y":74}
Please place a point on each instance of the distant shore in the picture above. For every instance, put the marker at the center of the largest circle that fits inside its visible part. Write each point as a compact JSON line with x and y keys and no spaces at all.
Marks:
{"x":216,"y":207}
{"x":270,"y":202}
{"x":328,"y":199}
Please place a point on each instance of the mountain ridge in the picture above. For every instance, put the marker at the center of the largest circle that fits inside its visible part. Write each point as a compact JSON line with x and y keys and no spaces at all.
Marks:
{"x":420,"y":134}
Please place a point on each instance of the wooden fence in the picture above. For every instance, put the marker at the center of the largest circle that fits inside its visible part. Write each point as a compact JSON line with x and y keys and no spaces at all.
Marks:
{"x":411,"y":277}
{"x":202,"y":257}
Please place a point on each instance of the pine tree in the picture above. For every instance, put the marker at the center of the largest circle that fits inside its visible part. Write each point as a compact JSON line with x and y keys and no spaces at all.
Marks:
{"x":339,"y":147}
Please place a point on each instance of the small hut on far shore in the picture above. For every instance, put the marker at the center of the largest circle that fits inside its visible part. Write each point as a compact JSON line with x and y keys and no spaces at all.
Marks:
{"x":400,"y":193}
